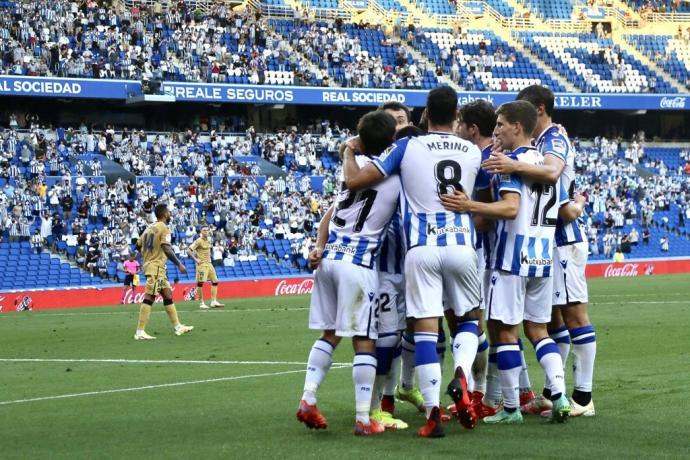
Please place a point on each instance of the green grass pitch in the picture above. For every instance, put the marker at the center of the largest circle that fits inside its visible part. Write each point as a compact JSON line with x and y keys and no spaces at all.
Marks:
{"x":74,"y":384}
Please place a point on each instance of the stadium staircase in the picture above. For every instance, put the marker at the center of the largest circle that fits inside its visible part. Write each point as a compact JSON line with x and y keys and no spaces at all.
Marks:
{"x":373,"y":13}
{"x":419,"y":17}
{"x":520,"y":9}
{"x":619,"y":39}
{"x":419,"y":57}
{"x":488,"y":22}
{"x":552,"y":73}
{"x":506,"y":35}
{"x":624,"y":8}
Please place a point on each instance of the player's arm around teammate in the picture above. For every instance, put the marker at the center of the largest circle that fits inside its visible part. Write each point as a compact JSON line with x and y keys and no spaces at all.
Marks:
{"x":321,"y":239}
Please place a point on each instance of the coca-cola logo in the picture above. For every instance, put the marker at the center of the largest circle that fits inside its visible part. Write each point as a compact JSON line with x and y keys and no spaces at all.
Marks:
{"x":294,"y":288}
{"x":625,"y":270}
{"x":677,"y":102}
{"x":131,"y":297}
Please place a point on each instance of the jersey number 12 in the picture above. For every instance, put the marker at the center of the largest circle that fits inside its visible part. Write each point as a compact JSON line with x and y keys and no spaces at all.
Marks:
{"x":546,"y":191}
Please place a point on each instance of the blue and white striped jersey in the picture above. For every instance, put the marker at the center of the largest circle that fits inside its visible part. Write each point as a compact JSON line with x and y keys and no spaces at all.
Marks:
{"x":553,"y":141}
{"x":360,"y":220}
{"x":392,"y":253}
{"x":483,"y":182}
{"x":524,"y":245}
{"x":429,"y":166}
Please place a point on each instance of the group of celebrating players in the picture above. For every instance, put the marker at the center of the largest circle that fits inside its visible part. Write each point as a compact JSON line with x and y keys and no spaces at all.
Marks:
{"x":475,"y":218}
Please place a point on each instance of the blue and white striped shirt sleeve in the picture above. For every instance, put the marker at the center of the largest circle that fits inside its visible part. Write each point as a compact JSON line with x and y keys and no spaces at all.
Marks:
{"x":389,"y":161}
{"x":557,"y":145}
{"x":563,"y":197}
{"x":509,"y":183}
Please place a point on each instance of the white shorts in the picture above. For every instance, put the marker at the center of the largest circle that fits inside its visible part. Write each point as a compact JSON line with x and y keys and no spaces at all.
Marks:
{"x":569,"y":281}
{"x":344,"y":299}
{"x":512,"y":299}
{"x":437,"y":273}
{"x":391,"y":303}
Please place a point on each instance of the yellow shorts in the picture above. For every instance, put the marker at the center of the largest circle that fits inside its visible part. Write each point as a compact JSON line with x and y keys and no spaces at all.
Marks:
{"x":206,"y":272}
{"x":156,"y":280}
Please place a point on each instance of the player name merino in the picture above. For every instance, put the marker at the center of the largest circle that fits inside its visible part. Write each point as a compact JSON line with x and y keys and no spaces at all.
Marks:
{"x":294,"y":288}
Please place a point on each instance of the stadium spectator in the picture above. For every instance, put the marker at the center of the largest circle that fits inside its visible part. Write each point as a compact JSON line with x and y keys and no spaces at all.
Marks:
{"x":618,"y":257}
{"x":37,"y":242}
{"x":664,"y":242}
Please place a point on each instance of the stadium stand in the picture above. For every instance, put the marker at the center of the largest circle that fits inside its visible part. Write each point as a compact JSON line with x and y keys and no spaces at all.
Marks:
{"x":357,"y":56}
{"x":263,"y":193}
{"x":502,"y":7}
{"x":484,"y":55}
{"x":550,"y":9}
{"x":661,"y":6}
{"x":226,"y":47}
{"x":669,"y":52}
{"x":594,"y":64}
{"x":262,"y":225}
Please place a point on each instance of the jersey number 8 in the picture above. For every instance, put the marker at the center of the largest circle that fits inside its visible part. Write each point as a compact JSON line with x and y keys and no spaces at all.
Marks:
{"x":448,"y":175}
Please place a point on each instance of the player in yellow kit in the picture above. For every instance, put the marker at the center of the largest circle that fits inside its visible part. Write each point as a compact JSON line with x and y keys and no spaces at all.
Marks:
{"x":200,"y":251}
{"x":154,"y":245}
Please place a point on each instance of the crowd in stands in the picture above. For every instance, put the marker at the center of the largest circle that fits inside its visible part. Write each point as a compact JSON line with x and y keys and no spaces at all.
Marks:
{"x":96,"y":223}
{"x":98,"y":40}
{"x":622,"y":201}
{"x":660,"y":6}
{"x":330,"y":47}
{"x":204,"y":178}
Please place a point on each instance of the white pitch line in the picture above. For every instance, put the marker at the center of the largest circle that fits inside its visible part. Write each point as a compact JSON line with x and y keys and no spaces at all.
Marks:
{"x":205,"y":312}
{"x":152,"y":361}
{"x":625,"y":302}
{"x":149,"y":387}
{"x":642,"y":294}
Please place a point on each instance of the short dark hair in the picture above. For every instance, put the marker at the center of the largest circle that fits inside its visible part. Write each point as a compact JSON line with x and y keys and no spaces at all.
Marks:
{"x":397,"y":106}
{"x":521,"y":112}
{"x":376,"y":131}
{"x":538,"y":95}
{"x":441,"y":105}
{"x":480,"y":113}
{"x":408,"y":131}
{"x":160,"y":209}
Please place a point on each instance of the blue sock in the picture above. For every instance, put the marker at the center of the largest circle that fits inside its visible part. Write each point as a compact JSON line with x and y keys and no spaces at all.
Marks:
{"x":584,"y":353}
{"x":441,"y":346}
{"x":550,"y":360}
{"x":525,"y":384}
{"x":509,"y":365}
{"x":562,"y":339}
{"x":428,"y":369}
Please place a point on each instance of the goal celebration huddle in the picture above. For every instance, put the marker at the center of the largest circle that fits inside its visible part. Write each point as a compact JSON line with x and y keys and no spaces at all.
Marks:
{"x":470,"y":219}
